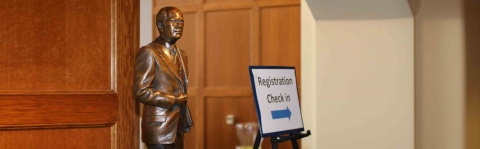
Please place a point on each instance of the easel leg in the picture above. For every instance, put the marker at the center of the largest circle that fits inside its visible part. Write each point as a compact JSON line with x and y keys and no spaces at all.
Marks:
{"x":273,"y":139}
{"x":294,"y":144}
{"x":257,"y":140}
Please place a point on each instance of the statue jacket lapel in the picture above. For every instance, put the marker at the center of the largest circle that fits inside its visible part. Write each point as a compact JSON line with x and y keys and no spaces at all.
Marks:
{"x":164,"y":55}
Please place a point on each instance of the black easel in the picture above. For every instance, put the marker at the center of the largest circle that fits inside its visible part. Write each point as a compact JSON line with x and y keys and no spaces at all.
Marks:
{"x":276,"y":139}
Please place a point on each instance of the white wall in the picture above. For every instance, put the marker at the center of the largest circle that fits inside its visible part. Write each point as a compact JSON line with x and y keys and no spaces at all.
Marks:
{"x":145,"y":36}
{"x":363,"y":74}
{"x":309,"y":70}
{"x":145,"y":22}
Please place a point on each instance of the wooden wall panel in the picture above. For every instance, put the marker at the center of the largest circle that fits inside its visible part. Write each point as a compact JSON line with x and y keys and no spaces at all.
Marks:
{"x":127,"y":43}
{"x":219,"y":135}
{"x":77,"y":138}
{"x":89,"y":60}
{"x":68,"y":64}
{"x":48,"y":46}
{"x":280,"y":44}
{"x":66,"y":110}
{"x":227,"y":48}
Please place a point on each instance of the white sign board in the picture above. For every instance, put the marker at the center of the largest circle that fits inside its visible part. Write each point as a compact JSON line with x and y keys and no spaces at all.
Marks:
{"x":276,"y":99}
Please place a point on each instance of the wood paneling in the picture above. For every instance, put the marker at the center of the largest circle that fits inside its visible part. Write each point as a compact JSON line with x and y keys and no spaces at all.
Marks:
{"x":229,"y":36}
{"x":217,"y":0}
{"x":77,"y":138}
{"x":127,"y":42}
{"x":227,"y":54}
{"x":222,"y":5}
{"x":218,"y":133}
{"x":46,"y":45}
{"x":280,"y":44}
{"x":228,"y":92}
{"x":67,"y":69}
{"x":278,"y":3}
{"x":56,"y":110}
{"x":189,"y":8}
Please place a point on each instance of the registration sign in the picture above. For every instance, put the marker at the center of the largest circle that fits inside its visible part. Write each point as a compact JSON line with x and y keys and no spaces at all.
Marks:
{"x":276,"y":99}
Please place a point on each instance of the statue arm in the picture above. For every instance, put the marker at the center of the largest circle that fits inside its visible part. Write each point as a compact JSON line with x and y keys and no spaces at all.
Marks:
{"x":144,"y":75}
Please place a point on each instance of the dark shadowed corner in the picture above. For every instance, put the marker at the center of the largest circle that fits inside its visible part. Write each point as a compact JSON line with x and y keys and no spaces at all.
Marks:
{"x":472,"y":79}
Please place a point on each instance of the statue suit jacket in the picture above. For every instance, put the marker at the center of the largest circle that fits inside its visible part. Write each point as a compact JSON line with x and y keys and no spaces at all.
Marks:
{"x":157,"y":80}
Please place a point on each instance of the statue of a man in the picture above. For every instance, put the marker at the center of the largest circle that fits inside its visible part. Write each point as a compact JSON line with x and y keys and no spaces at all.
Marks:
{"x":160,"y":83}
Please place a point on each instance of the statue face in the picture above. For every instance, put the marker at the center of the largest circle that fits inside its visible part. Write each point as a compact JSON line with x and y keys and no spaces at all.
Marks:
{"x":173,"y":26}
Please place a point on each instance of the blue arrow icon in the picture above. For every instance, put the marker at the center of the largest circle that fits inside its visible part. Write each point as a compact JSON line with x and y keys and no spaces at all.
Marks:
{"x":278,"y":114}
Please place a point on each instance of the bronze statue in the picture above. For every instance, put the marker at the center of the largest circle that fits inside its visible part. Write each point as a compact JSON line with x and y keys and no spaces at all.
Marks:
{"x":161,"y":71}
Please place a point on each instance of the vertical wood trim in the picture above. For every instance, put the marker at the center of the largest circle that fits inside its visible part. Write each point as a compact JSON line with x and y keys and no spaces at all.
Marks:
{"x":255,"y":34}
{"x":200,"y":136}
{"x":113,"y":60}
{"x":113,"y":137}
{"x":128,"y":36}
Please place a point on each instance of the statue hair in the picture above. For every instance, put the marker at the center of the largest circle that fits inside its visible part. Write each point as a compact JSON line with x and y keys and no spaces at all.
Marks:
{"x":162,"y":16}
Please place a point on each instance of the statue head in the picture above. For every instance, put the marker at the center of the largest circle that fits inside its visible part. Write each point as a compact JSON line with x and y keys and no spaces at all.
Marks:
{"x":170,"y":24}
